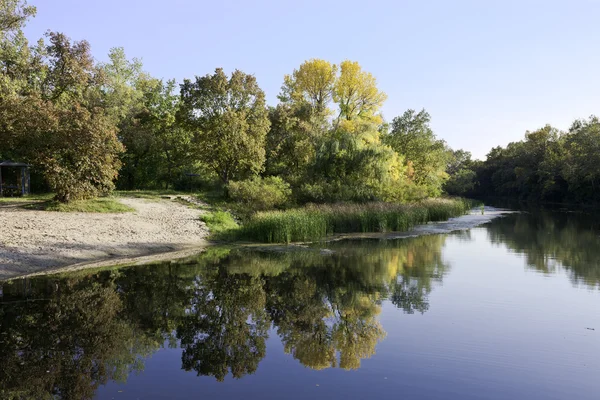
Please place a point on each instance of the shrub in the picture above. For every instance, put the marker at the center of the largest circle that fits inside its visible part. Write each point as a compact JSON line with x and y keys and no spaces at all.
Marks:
{"x":260,"y":194}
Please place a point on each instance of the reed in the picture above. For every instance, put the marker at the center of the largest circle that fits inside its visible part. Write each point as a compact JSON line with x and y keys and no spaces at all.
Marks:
{"x":315,"y":222}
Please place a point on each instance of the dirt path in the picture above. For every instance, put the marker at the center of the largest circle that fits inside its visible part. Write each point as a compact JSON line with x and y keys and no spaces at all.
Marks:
{"x":32,"y":241}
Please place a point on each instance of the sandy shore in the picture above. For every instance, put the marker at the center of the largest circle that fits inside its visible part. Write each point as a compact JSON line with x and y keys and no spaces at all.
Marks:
{"x":34,"y":241}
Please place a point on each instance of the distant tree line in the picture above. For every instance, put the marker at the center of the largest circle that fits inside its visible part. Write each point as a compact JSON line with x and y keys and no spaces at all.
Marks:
{"x":549,"y":165}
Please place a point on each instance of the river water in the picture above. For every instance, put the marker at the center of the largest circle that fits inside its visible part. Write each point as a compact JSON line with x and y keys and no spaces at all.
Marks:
{"x":506,"y":310}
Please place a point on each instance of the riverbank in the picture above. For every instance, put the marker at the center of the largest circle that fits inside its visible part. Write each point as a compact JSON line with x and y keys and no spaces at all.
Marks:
{"x":35,"y":241}
{"x":161,"y":228}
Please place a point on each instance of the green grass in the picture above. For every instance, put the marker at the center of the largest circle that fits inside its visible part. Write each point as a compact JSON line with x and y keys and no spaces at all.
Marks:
{"x":219,"y":222}
{"x":27,"y":199}
{"x":147,"y":194}
{"x":101,"y":205}
{"x":316,"y":222}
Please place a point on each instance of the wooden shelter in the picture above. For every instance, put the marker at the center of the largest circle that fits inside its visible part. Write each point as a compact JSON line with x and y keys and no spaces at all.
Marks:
{"x":14,"y":178}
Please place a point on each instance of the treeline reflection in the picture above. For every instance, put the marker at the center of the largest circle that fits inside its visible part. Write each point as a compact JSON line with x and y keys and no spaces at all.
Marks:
{"x":554,"y":240}
{"x":63,"y":336}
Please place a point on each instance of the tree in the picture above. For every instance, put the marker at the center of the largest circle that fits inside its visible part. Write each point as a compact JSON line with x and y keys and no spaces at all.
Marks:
{"x":230,"y":122}
{"x":71,"y":74}
{"x":356,"y":94}
{"x":582,"y":159}
{"x":158,"y":146}
{"x":13,"y":15}
{"x":353,"y":165}
{"x":55,"y":124}
{"x":123,"y":80}
{"x":76,"y":148}
{"x":425,"y":156}
{"x":462,"y":176}
{"x":312,"y":84}
{"x":290,"y":143}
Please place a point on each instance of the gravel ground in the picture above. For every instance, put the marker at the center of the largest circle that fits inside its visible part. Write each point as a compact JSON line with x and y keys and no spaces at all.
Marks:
{"x":33,"y":241}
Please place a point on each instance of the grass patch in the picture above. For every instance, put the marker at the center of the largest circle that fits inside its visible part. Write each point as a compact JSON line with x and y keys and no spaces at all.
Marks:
{"x":219,"y":222}
{"x":102,"y":205}
{"x":30,"y":198}
{"x":148,"y":194}
{"x":315,"y":222}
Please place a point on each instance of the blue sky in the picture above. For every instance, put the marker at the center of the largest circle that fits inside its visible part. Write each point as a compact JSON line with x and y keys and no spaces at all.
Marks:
{"x":486,"y":70}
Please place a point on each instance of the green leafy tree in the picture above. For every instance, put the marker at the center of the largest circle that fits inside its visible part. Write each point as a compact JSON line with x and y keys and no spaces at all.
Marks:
{"x":13,"y":15}
{"x":230,"y":122}
{"x":352,"y":165}
{"x":290,"y":142}
{"x":57,"y":128}
{"x":425,"y":156}
{"x":581,"y":168}
{"x":462,"y":176}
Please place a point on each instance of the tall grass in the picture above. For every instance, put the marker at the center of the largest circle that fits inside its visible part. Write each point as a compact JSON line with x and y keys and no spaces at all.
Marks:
{"x":315,"y":222}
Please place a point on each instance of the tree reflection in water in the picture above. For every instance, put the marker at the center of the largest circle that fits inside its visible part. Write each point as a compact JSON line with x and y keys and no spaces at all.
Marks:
{"x":552,"y":241}
{"x":62,"y":336}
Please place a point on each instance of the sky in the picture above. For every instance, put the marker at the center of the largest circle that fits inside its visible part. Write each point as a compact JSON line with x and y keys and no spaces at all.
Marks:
{"x":486,"y":70}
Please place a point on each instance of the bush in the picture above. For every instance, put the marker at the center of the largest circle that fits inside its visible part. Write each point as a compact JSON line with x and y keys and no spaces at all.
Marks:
{"x":260,"y":194}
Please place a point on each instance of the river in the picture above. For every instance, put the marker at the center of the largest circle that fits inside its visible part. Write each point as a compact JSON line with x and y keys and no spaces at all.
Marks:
{"x":505,"y":310}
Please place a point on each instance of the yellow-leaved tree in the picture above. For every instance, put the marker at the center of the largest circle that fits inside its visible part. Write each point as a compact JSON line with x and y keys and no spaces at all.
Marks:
{"x":311,"y":84}
{"x":355,"y":91}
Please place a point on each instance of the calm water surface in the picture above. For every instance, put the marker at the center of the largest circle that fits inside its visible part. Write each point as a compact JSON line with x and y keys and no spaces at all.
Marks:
{"x":508,"y":310}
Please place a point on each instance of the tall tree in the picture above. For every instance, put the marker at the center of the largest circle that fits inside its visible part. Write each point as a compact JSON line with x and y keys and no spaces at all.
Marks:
{"x":425,"y":156}
{"x":355,"y":91}
{"x":311,"y":84}
{"x":230,"y":122}
{"x":55,"y":125}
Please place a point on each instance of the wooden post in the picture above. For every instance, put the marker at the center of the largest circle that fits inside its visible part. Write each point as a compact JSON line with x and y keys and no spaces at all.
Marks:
{"x":23,"y":181}
{"x":0,"y":181}
{"x":28,"y":181}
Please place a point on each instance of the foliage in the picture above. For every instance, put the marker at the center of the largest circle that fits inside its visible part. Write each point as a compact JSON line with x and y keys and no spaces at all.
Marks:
{"x":260,"y":194}
{"x":426,"y":157}
{"x":52,"y":117}
{"x":13,"y":14}
{"x":84,"y":160}
{"x":356,"y":94}
{"x":462,"y":178}
{"x":549,"y":165}
{"x":312,"y":85}
{"x":461,"y":183}
{"x":230,"y":122}
{"x":291,"y":141}
{"x":315,"y":222}
{"x":353,"y":166}
{"x":159,"y":148}
{"x":219,"y":222}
